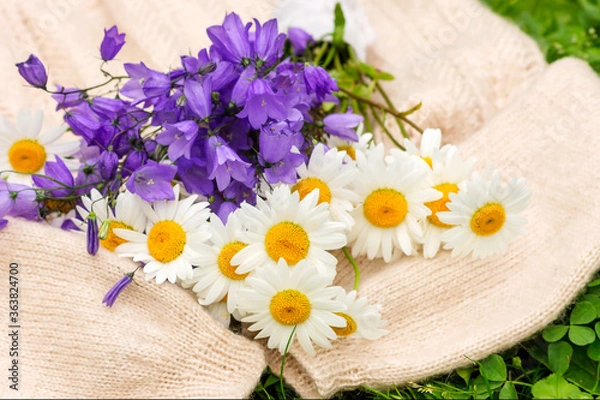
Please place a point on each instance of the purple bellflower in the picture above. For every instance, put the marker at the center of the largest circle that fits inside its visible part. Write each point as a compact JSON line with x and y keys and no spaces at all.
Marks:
{"x":179,"y":138}
{"x":18,"y":200}
{"x":262,"y":103}
{"x":319,"y":81}
{"x":343,"y":125}
{"x":223,"y":163}
{"x":58,"y":180}
{"x":268,"y":42}
{"x":111,"y":296}
{"x":34,"y":72}
{"x":152,"y":181}
{"x":112,"y":43}
{"x":231,"y":40}
{"x":299,"y":39}
{"x":198,"y":97}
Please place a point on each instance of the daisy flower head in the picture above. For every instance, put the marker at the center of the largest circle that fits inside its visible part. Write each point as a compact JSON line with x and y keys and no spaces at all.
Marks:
{"x":485,"y":215}
{"x":215,"y":278}
{"x":446,"y":177}
{"x":365,"y":140}
{"x":127,"y":213}
{"x":392,"y":201}
{"x":281,"y":298}
{"x":362,"y":320}
{"x":285,"y":227}
{"x":327,"y":171}
{"x":170,"y":243}
{"x":24,"y":149}
{"x":430,"y":149}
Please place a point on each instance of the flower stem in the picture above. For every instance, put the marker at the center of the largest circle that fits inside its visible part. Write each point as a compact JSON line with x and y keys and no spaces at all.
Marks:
{"x":354,"y":265}
{"x":387,"y":109}
{"x":385,"y":129}
{"x":287,"y":346}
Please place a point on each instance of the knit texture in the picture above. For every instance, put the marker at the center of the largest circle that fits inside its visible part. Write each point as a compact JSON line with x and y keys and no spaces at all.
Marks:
{"x":481,"y":80}
{"x":155,"y":342}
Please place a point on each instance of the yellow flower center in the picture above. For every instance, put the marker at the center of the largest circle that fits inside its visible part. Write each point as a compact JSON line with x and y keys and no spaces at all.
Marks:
{"x":428,"y":161}
{"x":290,"y":307}
{"x":307,"y":185}
{"x":441,"y":204}
{"x":224,"y":260}
{"x":27,"y":156}
{"x":287,"y":240}
{"x":488,"y":220}
{"x":350,"y":327}
{"x":61,"y":205}
{"x":113,"y":241}
{"x":349,"y":150}
{"x":385,"y":208}
{"x":166,"y":241}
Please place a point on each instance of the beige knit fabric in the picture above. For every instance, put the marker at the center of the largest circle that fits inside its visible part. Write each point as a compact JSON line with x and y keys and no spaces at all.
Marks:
{"x":155,"y":342}
{"x":481,"y":81}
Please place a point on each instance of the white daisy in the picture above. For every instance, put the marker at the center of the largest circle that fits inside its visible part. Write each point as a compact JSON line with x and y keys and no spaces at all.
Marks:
{"x":127,"y":214}
{"x":173,"y":234}
{"x":430,"y":149}
{"x":24,"y":150}
{"x":286,"y":227}
{"x":447,"y":177}
{"x":362,"y":319}
{"x":392,"y":202}
{"x":365,"y":140}
{"x":328,"y":172}
{"x":219,"y":312}
{"x":485,"y":215}
{"x":215,"y":277}
{"x":281,"y":298}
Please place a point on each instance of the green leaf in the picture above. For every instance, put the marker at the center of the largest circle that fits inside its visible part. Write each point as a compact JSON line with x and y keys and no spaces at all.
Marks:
{"x":597,"y":328}
{"x":508,"y":391}
{"x":582,"y":371}
{"x":584,"y":312}
{"x":595,"y":282}
{"x":554,"y":333}
{"x":559,"y":356}
{"x":272,"y":379}
{"x":592,"y":298}
{"x":581,"y":335}
{"x":375,"y":73}
{"x":593,"y":351}
{"x":493,"y":368}
{"x":555,"y":387}
{"x":338,"y":28}
{"x":465,"y":373}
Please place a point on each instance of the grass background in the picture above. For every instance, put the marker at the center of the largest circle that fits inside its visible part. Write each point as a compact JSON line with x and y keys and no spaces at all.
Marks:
{"x":563,"y":360}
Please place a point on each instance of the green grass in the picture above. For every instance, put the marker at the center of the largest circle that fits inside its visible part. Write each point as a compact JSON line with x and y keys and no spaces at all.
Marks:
{"x":563,"y":360}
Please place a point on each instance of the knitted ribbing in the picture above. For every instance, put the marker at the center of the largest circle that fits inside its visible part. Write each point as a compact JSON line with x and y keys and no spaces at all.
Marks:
{"x":155,"y":342}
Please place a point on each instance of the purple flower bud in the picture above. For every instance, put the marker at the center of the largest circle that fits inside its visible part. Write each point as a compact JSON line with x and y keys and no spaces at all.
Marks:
{"x":109,"y":161}
{"x":343,"y":125}
{"x":111,"y":296}
{"x":112,"y":43}
{"x":93,"y":241}
{"x":299,"y":39}
{"x":34,"y":72}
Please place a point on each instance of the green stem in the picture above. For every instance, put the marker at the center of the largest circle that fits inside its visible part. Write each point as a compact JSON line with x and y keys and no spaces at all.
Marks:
{"x":386,"y":130}
{"x":287,"y":346}
{"x":354,"y":265}
{"x":389,"y":103}
{"x":382,"y":107}
{"x":320,"y":54}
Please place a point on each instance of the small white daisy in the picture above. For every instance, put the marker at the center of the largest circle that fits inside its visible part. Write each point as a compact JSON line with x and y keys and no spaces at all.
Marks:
{"x":24,"y":150}
{"x":328,"y":172}
{"x":215,"y":277}
{"x":175,"y":230}
{"x":127,"y":214}
{"x":447,"y":177}
{"x":430,"y":149}
{"x":362,"y":320}
{"x":485,"y":215}
{"x":392,"y":202}
{"x":286,"y":227}
{"x":281,"y":298}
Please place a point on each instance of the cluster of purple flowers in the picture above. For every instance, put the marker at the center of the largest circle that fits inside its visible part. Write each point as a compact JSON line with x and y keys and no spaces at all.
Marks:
{"x":239,"y":113}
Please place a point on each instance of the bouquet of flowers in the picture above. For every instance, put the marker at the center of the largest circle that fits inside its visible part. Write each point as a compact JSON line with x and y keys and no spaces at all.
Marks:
{"x":246,"y":172}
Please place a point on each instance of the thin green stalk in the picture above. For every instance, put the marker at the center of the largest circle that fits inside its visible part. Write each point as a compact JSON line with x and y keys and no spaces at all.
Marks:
{"x":287,"y":346}
{"x":354,"y":265}
{"x":389,"y":103}
{"x":386,"y":130}
{"x":382,"y":107}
